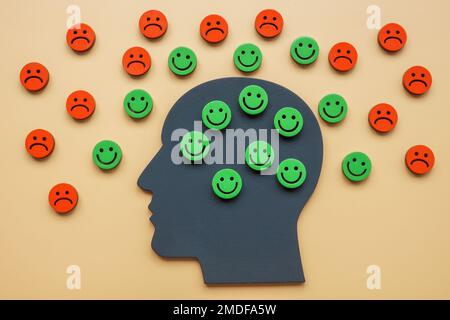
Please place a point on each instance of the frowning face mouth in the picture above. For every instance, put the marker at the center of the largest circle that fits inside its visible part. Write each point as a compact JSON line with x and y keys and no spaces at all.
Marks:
{"x":383,"y":118}
{"x":136,"y":61}
{"x":214,"y":29}
{"x":418,"y":81}
{"x":343,"y":57}
{"x":269,"y":24}
{"x":153,"y":25}
{"x":393,"y":38}
{"x":38,"y":144}
{"x":33,"y":77}
{"x":80,"y":38}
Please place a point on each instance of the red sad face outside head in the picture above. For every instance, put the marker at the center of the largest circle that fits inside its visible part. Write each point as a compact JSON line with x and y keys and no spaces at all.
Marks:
{"x":63,"y":198}
{"x":383,"y":118}
{"x":420,"y":159}
{"x":34,"y":76}
{"x":153,"y":24}
{"x":343,"y":57}
{"x":80,"y":105}
{"x":214,"y":28}
{"x":269,"y":23}
{"x":136,"y":61}
{"x":417,"y":80}
{"x":392,"y":37}
{"x":80,"y":37}
{"x":39,"y":143}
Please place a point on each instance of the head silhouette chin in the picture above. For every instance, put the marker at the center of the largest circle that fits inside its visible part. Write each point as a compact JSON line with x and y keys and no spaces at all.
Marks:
{"x":249,"y":239}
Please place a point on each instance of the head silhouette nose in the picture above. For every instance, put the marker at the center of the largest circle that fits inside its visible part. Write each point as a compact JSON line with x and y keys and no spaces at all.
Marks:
{"x":148,"y":178}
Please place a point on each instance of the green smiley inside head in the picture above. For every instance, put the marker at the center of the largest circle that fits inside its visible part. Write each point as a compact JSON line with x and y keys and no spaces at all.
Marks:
{"x":216,"y":115}
{"x":253,"y":100}
{"x":304,"y":50}
{"x":247,"y":57}
{"x":227,"y":184}
{"x":182,"y":61}
{"x":259,"y":155}
{"x":288,"y":122}
{"x":194,"y":146}
{"x":138,"y":104}
{"x":291,"y":173}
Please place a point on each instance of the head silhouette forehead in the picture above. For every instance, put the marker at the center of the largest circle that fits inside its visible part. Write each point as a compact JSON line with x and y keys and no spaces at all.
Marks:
{"x":190,"y":221}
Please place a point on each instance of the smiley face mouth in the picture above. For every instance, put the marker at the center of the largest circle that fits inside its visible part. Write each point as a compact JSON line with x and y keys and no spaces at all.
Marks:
{"x":135,"y":61}
{"x":344,"y":57}
{"x":307,"y":58}
{"x":214,"y":29}
{"x":225,"y":192}
{"x":247,"y":65}
{"x":252,"y":108}
{"x":220,"y":123}
{"x":260,"y":164}
{"x":290,"y":130}
{"x":420,"y":160}
{"x":152,"y":25}
{"x":336,"y":116}
{"x":109,"y":162}
{"x":61,"y":199}
{"x":33,"y":77}
{"x":418,"y":81}
{"x":132,"y":110}
{"x":393,"y":38}
{"x":194,"y":154}
{"x":354,"y":174}
{"x":383,"y":118}
{"x":292,"y":182}
{"x":181,"y":69}
{"x":38,"y":144}
{"x":80,"y":38}
{"x":268,"y":24}
{"x":79,"y":106}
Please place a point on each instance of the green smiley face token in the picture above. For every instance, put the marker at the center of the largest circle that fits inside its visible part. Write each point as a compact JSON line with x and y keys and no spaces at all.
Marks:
{"x":138,"y":104}
{"x":216,"y":115}
{"x":182,"y":61}
{"x":333,"y":108}
{"x":107,"y":155}
{"x":253,"y":100}
{"x":356,"y":166}
{"x":259,"y":155}
{"x":194,"y":146}
{"x":304,"y":50}
{"x":227,"y":184}
{"x":291,"y":173}
{"x":288,"y":122}
{"x":247,"y":57}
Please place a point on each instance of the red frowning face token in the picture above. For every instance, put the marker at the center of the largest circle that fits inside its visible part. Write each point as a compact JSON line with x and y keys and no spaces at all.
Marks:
{"x":39,"y":143}
{"x":80,"y":105}
{"x":417,"y":80}
{"x":420,"y":159}
{"x":383,"y":118}
{"x":153,"y":24}
{"x":136,"y":61}
{"x":392,"y":37}
{"x":214,"y":28}
{"x":63,"y":198}
{"x":34,"y":76}
{"x":343,"y":57}
{"x":269,"y":23}
{"x":80,"y":37}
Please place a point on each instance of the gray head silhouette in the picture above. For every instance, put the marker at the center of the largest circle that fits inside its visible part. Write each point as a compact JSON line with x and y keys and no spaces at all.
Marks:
{"x":252,"y":238}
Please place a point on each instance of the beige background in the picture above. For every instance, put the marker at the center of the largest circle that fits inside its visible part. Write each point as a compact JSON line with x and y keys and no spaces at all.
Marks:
{"x":394,"y":220}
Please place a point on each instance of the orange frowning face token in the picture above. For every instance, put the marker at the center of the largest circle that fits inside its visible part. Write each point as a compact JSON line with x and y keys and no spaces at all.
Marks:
{"x":392,"y":37}
{"x":343,"y":57}
{"x":136,"y":61}
{"x":214,"y":28}
{"x":269,"y":23}
{"x":34,"y":76}
{"x":80,"y":105}
{"x":383,"y":118}
{"x":39,"y":143}
{"x":63,"y":198}
{"x":153,"y":24}
{"x":420,"y":159}
{"x":80,"y":37}
{"x":417,"y":80}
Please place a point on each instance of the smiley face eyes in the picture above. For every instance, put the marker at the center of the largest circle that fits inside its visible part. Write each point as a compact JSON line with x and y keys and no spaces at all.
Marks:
{"x":243,"y":52}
